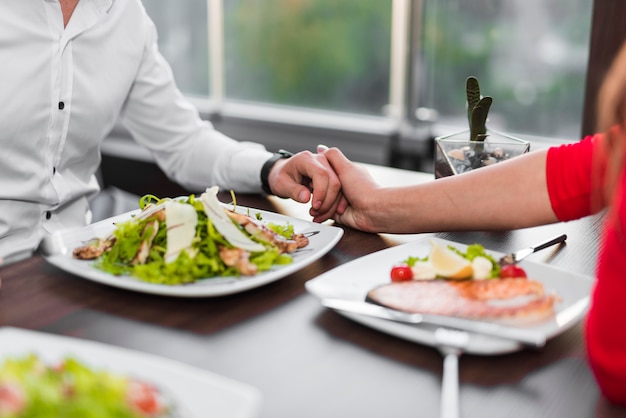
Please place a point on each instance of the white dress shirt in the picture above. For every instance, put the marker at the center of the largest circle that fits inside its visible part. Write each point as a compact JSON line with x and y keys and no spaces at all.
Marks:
{"x":63,"y":89}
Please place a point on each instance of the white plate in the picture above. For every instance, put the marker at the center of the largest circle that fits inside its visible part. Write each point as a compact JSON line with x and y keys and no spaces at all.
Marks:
{"x":322,"y":238}
{"x":354,"y":279}
{"x":201,"y":393}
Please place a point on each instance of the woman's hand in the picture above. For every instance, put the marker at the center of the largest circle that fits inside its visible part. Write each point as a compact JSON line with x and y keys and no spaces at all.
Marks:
{"x":360,"y":192}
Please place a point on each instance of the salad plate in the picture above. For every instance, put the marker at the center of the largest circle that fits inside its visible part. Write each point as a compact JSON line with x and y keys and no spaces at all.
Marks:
{"x":57,"y":250}
{"x":352,"y":282}
{"x":194,"y":392}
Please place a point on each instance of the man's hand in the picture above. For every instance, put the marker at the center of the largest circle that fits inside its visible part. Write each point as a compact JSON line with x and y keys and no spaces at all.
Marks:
{"x":308,"y":177}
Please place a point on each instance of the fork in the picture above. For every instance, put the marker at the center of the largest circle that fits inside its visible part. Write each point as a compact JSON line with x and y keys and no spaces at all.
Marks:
{"x":513,"y":258}
{"x":451,"y":344}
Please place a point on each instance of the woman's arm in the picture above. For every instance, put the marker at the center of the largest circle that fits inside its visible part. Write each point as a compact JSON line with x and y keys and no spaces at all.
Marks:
{"x":507,"y":195}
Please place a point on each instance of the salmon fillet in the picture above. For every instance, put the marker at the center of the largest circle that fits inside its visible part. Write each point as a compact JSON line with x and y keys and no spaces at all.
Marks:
{"x":513,"y":301}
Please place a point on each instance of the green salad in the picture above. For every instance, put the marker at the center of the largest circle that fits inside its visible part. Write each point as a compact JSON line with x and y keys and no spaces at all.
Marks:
{"x":180,"y":241}
{"x":29,"y":388}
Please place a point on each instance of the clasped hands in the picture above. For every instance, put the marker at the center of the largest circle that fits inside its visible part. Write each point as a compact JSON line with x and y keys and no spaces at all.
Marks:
{"x":336,"y":187}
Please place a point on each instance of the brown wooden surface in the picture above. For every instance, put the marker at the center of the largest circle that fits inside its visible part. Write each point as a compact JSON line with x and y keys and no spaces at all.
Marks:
{"x":309,"y":361}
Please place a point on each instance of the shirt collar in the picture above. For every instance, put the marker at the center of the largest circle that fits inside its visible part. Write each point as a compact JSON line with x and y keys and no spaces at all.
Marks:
{"x":102,"y":5}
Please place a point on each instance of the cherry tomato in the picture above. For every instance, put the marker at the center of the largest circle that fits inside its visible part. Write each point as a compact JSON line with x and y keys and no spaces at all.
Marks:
{"x":401,"y":273}
{"x":144,"y":397}
{"x":512,"y":271}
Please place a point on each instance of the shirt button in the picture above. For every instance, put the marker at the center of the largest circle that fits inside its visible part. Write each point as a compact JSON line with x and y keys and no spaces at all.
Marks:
{"x":48,"y":215}
{"x":61,"y":105}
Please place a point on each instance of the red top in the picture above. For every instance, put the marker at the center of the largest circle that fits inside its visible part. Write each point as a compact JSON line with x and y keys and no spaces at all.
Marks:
{"x":574,"y":173}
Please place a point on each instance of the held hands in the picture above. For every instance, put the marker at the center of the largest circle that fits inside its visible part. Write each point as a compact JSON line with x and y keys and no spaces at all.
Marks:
{"x":309,"y":177}
{"x":337,"y":188}
{"x":361,"y":193}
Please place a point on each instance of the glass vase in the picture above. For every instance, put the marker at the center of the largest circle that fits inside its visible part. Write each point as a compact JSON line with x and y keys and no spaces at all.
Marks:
{"x":456,"y":154}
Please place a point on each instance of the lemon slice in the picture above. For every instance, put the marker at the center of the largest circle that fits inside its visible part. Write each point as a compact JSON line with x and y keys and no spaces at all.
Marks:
{"x":449,"y":264}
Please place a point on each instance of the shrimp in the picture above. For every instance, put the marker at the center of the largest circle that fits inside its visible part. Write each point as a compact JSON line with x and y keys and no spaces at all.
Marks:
{"x":266,"y":234}
{"x":239,"y":258}
{"x":93,"y":249}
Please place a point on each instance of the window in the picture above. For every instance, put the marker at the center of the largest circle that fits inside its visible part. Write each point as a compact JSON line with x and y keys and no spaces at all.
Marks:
{"x":530,"y":56}
{"x":183,"y":40}
{"x":322,"y":54}
{"x":365,"y":58}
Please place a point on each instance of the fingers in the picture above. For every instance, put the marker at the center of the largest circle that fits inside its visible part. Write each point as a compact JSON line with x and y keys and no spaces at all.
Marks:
{"x":310,"y":177}
{"x":325,"y":204}
{"x":339,"y":205}
{"x":326,"y":187}
{"x":323,"y":214}
{"x":343,"y":205}
{"x":286,"y":181}
{"x":321,"y":149}
{"x":337,"y":160}
{"x":306,"y":177}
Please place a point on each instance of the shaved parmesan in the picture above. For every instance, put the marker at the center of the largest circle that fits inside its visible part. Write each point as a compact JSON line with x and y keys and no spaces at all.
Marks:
{"x":181,"y":220}
{"x":224,"y":224}
{"x":151,"y":210}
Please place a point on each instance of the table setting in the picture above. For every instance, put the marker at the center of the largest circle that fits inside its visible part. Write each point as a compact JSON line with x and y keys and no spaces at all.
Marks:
{"x":345,"y":289}
{"x":284,"y":338}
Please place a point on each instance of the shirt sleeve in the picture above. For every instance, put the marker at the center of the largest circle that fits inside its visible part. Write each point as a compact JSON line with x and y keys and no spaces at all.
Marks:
{"x":572,"y":178}
{"x":188,"y":149}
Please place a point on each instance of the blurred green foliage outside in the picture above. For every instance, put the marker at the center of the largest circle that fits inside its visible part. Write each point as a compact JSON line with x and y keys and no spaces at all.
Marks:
{"x":324,"y":54}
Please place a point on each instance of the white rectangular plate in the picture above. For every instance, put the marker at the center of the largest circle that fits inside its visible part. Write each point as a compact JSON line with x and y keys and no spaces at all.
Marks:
{"x":322,"y":238}
{"x":198,"y":392}
{"x":355,"y":279}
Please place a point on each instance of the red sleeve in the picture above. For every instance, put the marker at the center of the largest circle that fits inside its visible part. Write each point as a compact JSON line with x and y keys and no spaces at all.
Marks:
{"x":569,"y":178}
{"x":605,"y":331}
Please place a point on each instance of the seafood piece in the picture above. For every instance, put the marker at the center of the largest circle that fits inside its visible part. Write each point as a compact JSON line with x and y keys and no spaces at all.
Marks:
{"x":301,"y":239}
{"x":499,"y":288}
{"x":236,"y":257}
{"x":515,"y":301}
{"x":264,"y":233}
{"x":94,"y":249}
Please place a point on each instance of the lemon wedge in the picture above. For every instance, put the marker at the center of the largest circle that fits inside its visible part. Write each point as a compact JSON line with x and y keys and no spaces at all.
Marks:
{"x":449,"y":264}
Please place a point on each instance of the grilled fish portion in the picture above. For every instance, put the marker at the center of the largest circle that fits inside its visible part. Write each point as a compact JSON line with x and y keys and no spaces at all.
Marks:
{"x":514,"y":301}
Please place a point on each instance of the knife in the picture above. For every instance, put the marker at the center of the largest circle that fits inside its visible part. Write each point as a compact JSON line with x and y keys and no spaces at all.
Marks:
{"x":513,"y":258}
{"x":525,"y":336}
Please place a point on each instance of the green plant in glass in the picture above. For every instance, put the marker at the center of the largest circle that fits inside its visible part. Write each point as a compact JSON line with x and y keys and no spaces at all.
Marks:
{"x":477,"y":146}
{"x":477,"y":109}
